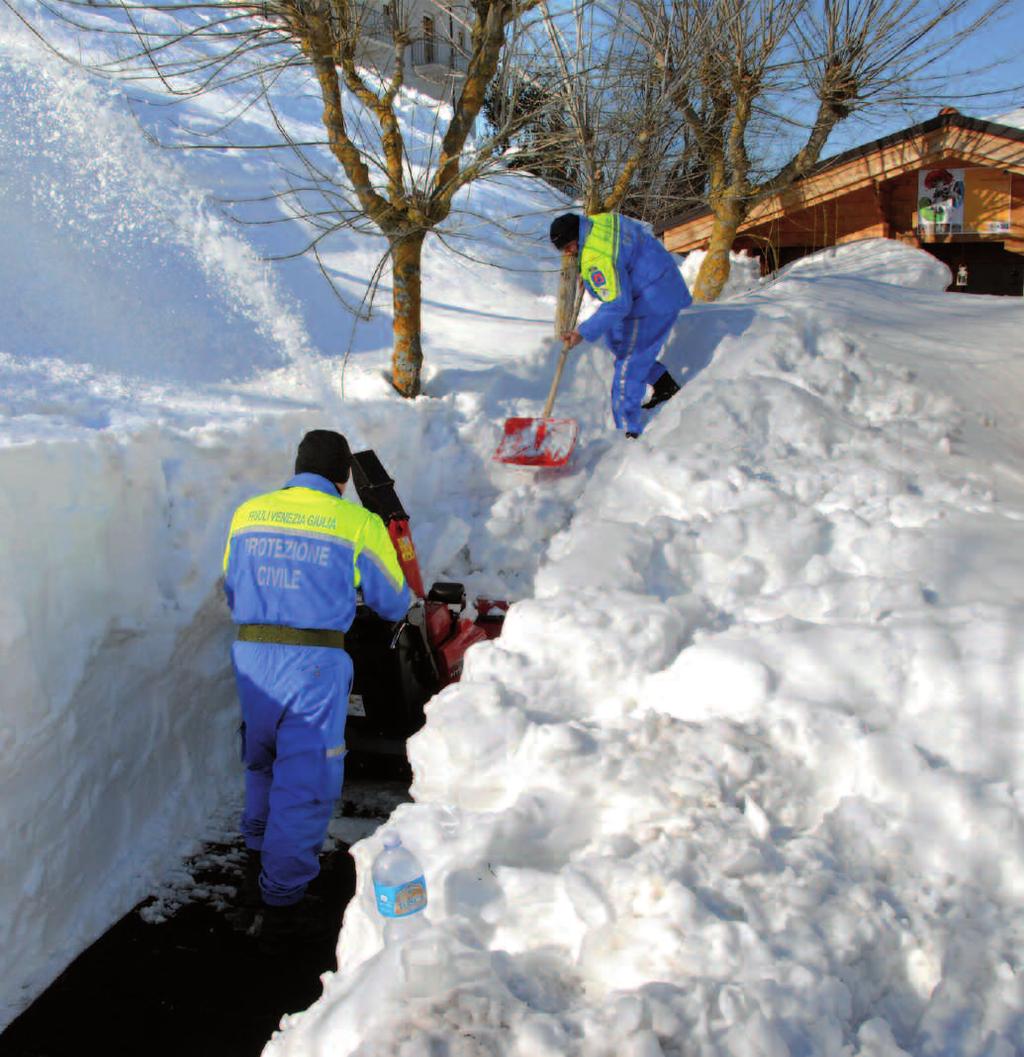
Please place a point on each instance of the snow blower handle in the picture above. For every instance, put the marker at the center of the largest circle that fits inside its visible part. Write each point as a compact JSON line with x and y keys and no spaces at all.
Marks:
{"x":558,"y":377}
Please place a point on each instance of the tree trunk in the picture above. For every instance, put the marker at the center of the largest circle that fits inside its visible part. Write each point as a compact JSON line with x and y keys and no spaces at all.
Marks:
{"x":570,"y":295}
{"x":714,"y":271}
{"x":407,"y":353}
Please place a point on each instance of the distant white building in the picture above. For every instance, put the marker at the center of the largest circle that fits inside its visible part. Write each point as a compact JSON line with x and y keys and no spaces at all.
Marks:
{"x":437,"y":56}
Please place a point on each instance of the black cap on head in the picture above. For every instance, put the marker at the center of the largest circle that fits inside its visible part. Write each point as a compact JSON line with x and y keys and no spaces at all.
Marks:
{"x":565,"y":229}
{"x":324,"y":452}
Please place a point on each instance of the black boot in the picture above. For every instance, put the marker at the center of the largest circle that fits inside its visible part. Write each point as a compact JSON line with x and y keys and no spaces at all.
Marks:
{"x":249,"y":889}
{"x":303,"y":922}
{"x":664,"y":389}
{"x":248,"y":899}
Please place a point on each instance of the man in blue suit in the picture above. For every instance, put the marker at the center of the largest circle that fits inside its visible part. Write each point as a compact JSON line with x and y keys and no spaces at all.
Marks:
{"x":294,"y":561}
{"x":641,"y":291}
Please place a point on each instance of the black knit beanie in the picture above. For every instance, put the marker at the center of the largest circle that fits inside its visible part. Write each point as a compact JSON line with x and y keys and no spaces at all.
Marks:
{"x":324,"y":452}
{"x":565,"y":229}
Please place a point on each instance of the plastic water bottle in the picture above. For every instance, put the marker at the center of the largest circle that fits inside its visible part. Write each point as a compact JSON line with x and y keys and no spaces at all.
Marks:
{"x":400,"y":889}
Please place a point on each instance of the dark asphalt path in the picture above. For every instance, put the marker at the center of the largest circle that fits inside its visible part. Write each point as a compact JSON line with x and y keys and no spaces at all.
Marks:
{"x":193,"y":985}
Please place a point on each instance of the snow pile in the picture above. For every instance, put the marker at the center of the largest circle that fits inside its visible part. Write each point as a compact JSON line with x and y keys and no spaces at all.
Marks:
{"x":745,"y":776}
{"x":744,"y":272}
{"x":882,"y":260}
{"x":126,"y":301}
{"x":118,"y":722}
{"x":113,"y":258}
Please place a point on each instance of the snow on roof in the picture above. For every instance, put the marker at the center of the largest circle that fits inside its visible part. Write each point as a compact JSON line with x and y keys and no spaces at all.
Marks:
{"x":1014,"y":118}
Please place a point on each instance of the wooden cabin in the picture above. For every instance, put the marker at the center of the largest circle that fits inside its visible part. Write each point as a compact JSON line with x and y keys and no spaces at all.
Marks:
{"x":953,"y":185}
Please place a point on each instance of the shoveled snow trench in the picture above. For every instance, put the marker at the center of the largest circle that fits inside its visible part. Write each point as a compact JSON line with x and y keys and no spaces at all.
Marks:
{"x":743,"y":773}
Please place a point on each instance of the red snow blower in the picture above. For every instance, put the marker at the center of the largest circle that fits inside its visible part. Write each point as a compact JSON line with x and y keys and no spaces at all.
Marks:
{"x":543,"y":441}
{"x":400,"y":666}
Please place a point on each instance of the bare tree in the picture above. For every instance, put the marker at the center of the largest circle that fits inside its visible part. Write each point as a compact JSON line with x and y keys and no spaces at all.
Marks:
{"x":600,"y":115}
{"x":671,"y":174}
{"x":587,"y":103}
{"x":357,"y":55}
{"x":763,"y":83}
{"x":585,"y":107}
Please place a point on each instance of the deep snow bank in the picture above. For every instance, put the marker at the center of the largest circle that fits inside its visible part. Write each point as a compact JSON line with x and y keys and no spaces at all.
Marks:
{"x":130,"y":312}
{"x":127,"y":307}
{"x":113,"y":259}
{"x":745,"y":776}
{"x":153,"y":373}
{"x":117,"y":730}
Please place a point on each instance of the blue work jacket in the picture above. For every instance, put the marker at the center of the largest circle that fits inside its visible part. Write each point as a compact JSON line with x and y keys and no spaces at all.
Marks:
{"x":297,"y":556}
{"x":629,"y":271}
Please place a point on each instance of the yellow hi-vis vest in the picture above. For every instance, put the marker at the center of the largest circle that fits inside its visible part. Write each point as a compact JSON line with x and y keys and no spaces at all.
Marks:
{"x":296,"y":557}
{"x":600,"y":256}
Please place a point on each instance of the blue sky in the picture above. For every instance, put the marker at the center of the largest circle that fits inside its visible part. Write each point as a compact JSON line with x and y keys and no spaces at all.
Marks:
{"x":1001,"y":40}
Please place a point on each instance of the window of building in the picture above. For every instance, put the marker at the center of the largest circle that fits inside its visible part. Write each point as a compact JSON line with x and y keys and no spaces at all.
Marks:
{"x":428,"y":39}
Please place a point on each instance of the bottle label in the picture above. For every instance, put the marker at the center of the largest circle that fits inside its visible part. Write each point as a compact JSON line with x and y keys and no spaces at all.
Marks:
{"x":399,"y":901}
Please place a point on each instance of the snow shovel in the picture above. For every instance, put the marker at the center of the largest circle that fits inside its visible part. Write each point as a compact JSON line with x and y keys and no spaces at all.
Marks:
{"x":540,"y":441}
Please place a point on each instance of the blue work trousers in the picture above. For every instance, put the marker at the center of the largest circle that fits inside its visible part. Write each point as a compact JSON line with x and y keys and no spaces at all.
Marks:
{"x":635,"y":343}
{"x":294,"y":706}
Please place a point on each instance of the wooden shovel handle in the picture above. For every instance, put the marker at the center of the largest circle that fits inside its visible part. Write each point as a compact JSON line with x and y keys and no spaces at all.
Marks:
{"x":558,"y":377}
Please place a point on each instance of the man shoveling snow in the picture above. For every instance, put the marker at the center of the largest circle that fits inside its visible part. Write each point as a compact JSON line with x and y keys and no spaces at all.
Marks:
{"x":641,"y":292}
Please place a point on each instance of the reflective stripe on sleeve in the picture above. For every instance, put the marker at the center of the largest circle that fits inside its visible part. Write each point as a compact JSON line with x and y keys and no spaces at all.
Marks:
{"x":380,"y":551}
{"x":391,"y":572}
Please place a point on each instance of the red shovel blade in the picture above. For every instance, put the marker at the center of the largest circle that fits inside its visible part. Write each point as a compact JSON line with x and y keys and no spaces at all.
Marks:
{"x":537,"y":441}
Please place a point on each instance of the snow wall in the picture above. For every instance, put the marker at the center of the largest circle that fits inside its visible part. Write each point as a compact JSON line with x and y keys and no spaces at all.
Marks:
{"x":116,"y":734}
{"x":153,"y":374}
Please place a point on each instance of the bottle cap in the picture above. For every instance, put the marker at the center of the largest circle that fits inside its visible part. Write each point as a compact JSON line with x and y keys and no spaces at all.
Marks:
{"x":392,"y":839}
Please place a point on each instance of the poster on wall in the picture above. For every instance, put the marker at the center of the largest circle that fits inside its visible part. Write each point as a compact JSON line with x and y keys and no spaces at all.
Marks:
{"x":963,"y":201}
{"x":940,"y":201}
